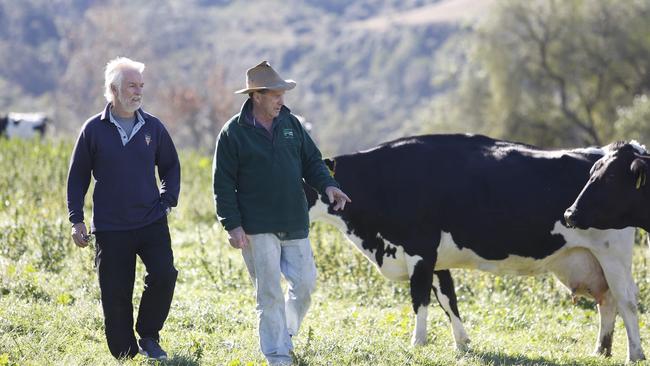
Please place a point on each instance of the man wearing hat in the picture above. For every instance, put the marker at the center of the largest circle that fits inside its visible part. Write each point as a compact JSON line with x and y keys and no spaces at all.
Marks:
{"x":262,"y":156}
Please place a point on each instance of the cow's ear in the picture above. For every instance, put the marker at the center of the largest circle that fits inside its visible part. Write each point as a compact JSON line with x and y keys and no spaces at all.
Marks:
{"x":640,"y":169}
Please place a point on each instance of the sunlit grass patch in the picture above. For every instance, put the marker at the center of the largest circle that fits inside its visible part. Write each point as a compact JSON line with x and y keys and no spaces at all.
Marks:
{"x":50,"y":311}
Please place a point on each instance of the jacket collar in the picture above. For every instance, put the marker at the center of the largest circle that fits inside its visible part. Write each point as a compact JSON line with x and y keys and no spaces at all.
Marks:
{"x":246,"y":113}
{"x":106,"y":114}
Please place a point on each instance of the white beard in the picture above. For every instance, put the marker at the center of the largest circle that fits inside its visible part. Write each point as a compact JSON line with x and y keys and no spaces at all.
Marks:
{"x":129,"y":105}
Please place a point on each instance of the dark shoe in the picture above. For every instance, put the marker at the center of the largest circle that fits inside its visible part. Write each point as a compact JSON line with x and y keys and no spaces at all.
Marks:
{"x":150,"y":348}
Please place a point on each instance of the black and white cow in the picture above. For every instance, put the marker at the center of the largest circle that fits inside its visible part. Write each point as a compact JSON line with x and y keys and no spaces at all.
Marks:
{"x":617,"y":194}
{"x":23,"y":125}
{"x":423,"y":205}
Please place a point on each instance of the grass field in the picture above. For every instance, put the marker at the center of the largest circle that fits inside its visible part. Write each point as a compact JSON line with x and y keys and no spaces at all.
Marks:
{"x":50,"y":312}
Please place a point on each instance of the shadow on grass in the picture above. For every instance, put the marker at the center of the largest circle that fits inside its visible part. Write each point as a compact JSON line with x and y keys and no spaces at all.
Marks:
{"x":299,"y":360}
{"x":498,"y":358}
{"x":176,"y":360}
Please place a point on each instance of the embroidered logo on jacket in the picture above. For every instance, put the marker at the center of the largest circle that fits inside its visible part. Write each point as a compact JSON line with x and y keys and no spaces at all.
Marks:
{"x":288,"y":133}
{"x":147,"y":138}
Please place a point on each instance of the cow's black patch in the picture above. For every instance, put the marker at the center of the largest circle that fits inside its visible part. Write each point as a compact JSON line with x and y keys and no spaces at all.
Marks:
{"x":3,"y":125}
{"x":390,"y":251}
{"x":446,"y":287}
{"x":421,"y":285}
{"x":605,"y":346}
{"x":494,"y":197}
{"x":331,"y":165}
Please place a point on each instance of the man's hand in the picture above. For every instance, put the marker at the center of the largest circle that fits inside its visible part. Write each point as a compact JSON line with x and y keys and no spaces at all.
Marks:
{"x":80,"y":235}
{"x":237,"y":238}
{"x":336,"y":195}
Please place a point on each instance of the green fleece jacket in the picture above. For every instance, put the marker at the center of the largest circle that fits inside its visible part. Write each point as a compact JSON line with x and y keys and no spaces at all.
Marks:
{"x":258,"y":176}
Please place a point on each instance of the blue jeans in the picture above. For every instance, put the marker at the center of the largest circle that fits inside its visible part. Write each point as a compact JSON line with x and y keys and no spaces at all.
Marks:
{"x":280,"y":316}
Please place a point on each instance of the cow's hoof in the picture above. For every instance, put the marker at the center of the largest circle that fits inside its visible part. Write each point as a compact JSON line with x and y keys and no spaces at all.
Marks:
{"x":604,"y":346}
{"x":635,"y":358}
{"x":419,"y":341}
{"x":603,"y":351}
{"x":463,"y":345}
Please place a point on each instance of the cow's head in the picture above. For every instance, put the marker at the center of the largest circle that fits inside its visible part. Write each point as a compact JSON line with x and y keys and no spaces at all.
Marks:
{"x":617,"y":194}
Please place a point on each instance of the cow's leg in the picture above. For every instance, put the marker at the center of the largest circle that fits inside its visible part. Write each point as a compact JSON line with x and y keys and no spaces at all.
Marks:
{"x":445,"y":292}
{"x":421,"y":281}
{"x":624,"y":292}
{"x":421,"y":276}
{"x":607,"y":312}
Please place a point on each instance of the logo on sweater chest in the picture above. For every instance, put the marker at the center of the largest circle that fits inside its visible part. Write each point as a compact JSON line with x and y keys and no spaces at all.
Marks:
{"x":287,"y":133}
{"x":147,"y":138}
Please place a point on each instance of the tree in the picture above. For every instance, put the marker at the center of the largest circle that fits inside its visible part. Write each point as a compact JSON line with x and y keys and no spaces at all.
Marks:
{"x":551,"y":73}
{"x":196,"y":112}
{"x":632,"y":122}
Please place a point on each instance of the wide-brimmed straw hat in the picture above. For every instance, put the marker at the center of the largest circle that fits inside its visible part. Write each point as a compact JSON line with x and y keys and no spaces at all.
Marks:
{"x":263,"y":77}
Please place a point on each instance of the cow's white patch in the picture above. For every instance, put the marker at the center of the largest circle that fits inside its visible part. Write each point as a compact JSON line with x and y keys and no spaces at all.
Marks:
{"x":393,"y":267}
{"x":616,"y":243}
{"x":500,"y":152}
{"x":590,"y":150}
{"x":615,"y":260}
{"x":420,"y":330}
{"x":639,"y":147}
{"x":457,"y":329}
{"x":607,"y":311}
{"x":450,"y":255}
{"x":575,"y":265}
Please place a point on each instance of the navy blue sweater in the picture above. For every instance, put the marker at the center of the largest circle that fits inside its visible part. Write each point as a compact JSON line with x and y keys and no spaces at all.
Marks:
{"x":126,"y":194}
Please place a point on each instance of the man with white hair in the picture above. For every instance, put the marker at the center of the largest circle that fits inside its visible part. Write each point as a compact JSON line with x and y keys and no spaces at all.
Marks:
{"x":262,"y":156}
{"x":121,"y":148}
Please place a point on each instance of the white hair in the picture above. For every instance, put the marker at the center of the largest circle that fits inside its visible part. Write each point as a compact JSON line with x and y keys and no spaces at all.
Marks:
{"x":114,"y":71}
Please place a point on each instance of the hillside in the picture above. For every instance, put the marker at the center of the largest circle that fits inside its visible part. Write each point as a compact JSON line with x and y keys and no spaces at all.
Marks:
{"x":445,"y":11}
{"x":363,"y":67}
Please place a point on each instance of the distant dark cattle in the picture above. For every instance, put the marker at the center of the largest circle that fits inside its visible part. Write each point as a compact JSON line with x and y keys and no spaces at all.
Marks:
{"x":423,"y":205}
{"x":23,"y":125}
{"x":617,"y":194}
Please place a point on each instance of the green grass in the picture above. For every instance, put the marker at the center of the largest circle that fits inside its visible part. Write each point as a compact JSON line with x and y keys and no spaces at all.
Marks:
{"x":50,"y":312}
